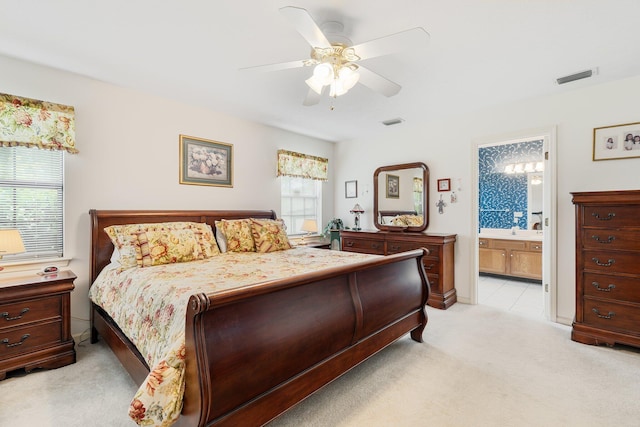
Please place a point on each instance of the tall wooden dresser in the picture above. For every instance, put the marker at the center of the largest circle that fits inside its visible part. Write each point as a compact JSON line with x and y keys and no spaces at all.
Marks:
{"x":607,"y":268}
{"x":439,"y":264}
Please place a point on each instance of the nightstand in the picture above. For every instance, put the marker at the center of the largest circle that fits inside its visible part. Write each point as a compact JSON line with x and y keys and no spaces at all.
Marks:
{"x":35,"y":322}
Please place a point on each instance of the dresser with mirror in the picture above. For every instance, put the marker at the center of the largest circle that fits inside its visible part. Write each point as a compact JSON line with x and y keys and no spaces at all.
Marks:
{"x":401,"y":216}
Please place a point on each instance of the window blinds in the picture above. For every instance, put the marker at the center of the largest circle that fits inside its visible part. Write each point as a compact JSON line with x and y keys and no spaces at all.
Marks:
{"x":31,"y":199}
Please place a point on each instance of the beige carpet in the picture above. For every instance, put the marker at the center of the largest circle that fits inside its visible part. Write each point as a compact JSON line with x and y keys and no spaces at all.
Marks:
{"x":479,"y":366}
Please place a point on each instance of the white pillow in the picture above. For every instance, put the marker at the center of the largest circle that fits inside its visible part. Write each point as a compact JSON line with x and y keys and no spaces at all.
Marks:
{"x":222,"y":240}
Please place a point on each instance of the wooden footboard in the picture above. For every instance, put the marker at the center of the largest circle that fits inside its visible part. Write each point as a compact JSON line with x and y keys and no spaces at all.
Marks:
{"x":254,"y":352}
{"x":254,"y":356}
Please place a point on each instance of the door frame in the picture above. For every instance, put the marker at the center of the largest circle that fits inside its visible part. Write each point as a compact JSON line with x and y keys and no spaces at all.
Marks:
{"x":549,"y":208}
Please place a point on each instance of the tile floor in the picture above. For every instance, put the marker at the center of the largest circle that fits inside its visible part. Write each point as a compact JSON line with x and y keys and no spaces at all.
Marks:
{"x":518,"y":297}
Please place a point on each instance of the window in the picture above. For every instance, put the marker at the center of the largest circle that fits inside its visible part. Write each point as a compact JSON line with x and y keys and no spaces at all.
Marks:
{"x":301,"y":199}
{"x":31,"y":199}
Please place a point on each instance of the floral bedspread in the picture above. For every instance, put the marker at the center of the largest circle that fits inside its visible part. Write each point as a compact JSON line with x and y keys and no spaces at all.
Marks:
{"x":149,"y":304}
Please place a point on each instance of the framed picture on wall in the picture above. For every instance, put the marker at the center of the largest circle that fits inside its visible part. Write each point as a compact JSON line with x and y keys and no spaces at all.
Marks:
{"x":444,"y":184}
{"x":205,"y":162}
{"x":393,"y":187}
{"x":351,"y":189}
{"x":616,"y":142}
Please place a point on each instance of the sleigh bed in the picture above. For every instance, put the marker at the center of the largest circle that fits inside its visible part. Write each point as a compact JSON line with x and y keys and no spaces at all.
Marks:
{"x":253,"y":351}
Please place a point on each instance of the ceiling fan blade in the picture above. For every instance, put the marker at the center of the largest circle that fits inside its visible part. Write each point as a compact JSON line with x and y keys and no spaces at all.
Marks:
{"x":312,"y":98}
{"x":376,"y":82}
{"x":277,"y":67}
{"x":415,"y":38}
{"x":306,"y":26}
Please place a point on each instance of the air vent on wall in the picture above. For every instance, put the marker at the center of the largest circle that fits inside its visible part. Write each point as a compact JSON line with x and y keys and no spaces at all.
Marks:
{"x":576,"y":76}
{"x":392,"y":122}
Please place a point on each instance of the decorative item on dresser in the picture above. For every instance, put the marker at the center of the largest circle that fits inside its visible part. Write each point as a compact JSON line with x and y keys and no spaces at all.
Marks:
{"x":607,"y":269}
{"x":35,"y":323}
{"x":438,"y":264}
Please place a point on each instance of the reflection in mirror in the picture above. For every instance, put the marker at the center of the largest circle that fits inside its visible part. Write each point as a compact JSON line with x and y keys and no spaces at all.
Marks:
{"x":400,"y":197}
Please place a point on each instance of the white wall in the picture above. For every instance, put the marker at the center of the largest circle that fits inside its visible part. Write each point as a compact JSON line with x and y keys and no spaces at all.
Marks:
{"x":447,"y":147}
{"x":129,"y":157}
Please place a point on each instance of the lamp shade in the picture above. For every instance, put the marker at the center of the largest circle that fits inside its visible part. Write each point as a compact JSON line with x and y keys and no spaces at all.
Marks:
{"x":10,"y":242}
{"x":357,"y":209}
{"x":310,"y":226}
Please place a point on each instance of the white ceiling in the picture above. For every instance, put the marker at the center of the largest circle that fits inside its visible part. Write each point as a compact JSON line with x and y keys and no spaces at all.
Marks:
{"x":480,"y":53}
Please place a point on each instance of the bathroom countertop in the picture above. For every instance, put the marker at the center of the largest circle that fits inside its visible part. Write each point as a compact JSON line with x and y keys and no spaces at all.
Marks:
{"x":506,"y":234}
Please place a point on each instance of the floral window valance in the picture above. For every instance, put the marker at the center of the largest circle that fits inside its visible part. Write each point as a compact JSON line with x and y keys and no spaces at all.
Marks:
{"x":302,"y":165}
{"x":31,"y":123}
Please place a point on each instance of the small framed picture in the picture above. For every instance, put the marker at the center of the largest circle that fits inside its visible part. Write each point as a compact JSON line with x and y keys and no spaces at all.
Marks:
{"x":616,"y":142}
{"x":444,"y":184}
{"x":393,"y":187}
{"x":351,"y":189}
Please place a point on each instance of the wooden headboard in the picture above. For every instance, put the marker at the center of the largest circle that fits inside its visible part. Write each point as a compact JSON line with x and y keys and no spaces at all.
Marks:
{"x":102,"y":248}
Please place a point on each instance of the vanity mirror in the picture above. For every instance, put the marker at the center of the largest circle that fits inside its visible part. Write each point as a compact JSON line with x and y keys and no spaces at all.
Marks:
{"x":401,"y":197}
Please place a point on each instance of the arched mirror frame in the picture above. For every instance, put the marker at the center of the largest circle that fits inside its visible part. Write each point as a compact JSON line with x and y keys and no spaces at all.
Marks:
{"x":425,"y":197}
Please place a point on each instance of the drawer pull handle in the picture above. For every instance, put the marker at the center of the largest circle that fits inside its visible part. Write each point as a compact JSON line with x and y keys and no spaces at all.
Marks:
{"x":375,"y":245}
{"x":429,"y":267}
{"x":603,"y":264}
{"x":609,"y":239}
{"x":5,"y":314}
{"x":609,"y":216}
{"x":603,"y":316}
{"x":607,"y":289}
{"x":6,"y":341}
{"x":395,"y":248}
{"x":348,"y":243}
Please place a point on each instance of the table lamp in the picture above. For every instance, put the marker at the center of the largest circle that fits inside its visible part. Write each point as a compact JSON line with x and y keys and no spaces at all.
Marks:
{"x":10,"y":242}
{"x":357,"y":210}
{"x":310,"y":226}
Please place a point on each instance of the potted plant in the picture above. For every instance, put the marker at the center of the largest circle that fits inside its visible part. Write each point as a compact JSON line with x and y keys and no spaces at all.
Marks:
{"x":332,"y":231}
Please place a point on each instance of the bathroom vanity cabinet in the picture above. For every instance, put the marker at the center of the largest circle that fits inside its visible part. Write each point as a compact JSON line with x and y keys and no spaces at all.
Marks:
{"x":511,"y":257}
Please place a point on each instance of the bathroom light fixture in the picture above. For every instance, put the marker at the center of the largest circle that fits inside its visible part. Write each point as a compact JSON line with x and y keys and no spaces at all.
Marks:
{"x":512,"y":168}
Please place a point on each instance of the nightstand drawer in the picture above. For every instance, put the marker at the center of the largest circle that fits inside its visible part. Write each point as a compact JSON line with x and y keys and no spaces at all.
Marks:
{"x":20,"y":313}
{"x":25,"y":339}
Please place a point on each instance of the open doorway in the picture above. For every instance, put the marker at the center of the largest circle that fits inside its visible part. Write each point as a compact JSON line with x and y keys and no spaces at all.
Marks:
{"x":514,"y":233}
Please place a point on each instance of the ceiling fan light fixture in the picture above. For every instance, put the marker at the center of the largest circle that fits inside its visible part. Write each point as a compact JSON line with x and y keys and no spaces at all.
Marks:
{"x":349,"y":77}
{"x":323,"y":73}
{"x":314,"y":84}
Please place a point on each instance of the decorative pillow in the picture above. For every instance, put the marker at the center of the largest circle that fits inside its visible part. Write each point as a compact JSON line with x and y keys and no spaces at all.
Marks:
{"x":125,"y":239}
{"x":237,"y":233}
{"x":169,"y":246}
{"x":409,"y":220}
{"x":269,"y":235}
{"x":204,"y":236}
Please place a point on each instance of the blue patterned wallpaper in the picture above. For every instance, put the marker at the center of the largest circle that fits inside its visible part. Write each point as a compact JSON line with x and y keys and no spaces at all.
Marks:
{"x":503,"y":194}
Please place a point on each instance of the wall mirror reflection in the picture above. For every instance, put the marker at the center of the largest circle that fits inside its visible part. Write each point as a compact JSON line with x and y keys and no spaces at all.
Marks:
{"x":401,"y":196}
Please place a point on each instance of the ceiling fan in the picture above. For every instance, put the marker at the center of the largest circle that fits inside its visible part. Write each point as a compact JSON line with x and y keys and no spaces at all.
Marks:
{"x":335,"y":62}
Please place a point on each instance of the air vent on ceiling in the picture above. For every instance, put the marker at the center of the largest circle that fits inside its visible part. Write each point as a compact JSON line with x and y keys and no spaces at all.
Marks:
{"x":392,"y":122}
{"x":576,"y":76}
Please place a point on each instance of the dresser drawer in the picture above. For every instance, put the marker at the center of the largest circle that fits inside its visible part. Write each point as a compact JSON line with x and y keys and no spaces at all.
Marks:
{"x":611,"y":287}
{"x":21,"y":340}
{"x":611,"y":239}
{"x":395,"y":246}
{"x":611,"y":262}
{"x":610,"y":315}
{"x":20,"y":313}
{"x":367,"y":246}
{"x":431,"y":265}
{"x":611,"y":216}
